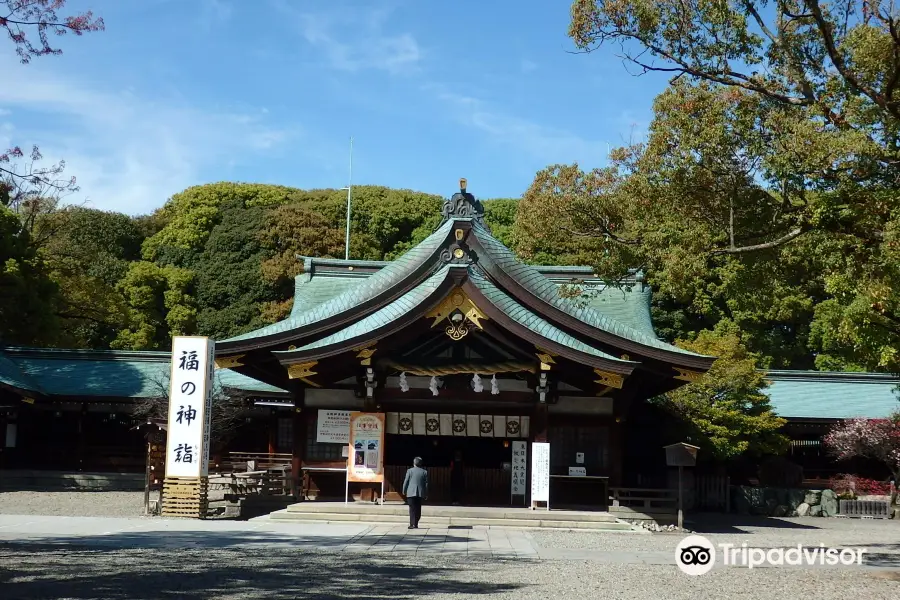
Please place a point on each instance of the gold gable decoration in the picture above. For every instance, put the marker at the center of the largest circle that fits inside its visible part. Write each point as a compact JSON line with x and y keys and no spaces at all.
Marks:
{"x":229,"y":362}
{"x":686,"y":375}
{"x":457,"y":302}
{"x":303,"y":372}
{"x":364,"y":355}
{"x":612,"y":380}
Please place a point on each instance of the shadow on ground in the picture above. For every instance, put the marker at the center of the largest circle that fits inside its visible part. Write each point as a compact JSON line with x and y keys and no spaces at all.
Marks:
{"x":735,"y":524}
{"x":207,"y":565}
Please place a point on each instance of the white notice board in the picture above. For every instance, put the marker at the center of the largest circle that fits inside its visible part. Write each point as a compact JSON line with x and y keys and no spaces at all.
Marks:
{"x":333,"y":426}
{"x":540,"y":473}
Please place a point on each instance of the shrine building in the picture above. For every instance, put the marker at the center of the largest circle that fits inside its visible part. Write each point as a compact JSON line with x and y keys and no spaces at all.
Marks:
{"x":464,"y":348}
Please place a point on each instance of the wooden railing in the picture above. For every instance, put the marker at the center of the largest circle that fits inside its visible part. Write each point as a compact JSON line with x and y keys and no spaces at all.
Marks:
{"x":643,"y":499}
{"x":242,"y":462}
{"x":274,"y":482}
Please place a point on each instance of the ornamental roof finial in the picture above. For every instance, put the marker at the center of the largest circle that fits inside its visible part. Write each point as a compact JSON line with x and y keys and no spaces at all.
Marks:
{"x":463,"y":205}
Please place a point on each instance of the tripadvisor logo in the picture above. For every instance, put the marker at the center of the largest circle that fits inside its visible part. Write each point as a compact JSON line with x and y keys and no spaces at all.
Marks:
{"x":696,"y":555}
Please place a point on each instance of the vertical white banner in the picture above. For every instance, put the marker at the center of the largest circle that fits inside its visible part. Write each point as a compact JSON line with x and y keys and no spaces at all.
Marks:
{"x":392,"y":423}
{"x":446,"y":424}
{"x":519,"y":468}
{"x":540,"y":472}
{"x":418,"y":426}
{"x":459,"y":424}
{"x":190,"y":407}
{"x":500,"y":426}
{"x":432,"y":424}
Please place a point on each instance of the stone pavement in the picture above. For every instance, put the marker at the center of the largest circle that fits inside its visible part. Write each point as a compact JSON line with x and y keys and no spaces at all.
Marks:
{"x":167,"y":533}
{"x":265,"y":534}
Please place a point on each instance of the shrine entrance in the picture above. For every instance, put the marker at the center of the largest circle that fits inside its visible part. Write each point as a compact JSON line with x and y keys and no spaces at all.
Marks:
{"x":486,"y":468}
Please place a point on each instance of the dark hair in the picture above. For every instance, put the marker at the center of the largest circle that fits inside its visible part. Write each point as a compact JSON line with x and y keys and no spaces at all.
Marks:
{"x":417,"y":461}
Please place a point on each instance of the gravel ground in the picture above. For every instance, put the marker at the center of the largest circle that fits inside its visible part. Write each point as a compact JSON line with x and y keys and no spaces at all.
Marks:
{"x":41,"y":571}
{"x":878,"y":535}
{"x":73,"y":504}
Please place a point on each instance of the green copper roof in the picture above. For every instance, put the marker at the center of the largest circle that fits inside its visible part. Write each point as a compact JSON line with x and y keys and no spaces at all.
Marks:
{"x":542,"y":287}
{"x":355,"y":295}
{"x":528,"y":319}
{"x":818,"y":395}
{"x":630,"y":307}
{"x":383,"y":316}
{"x":12,"y":375}
{"x":109,"y":373}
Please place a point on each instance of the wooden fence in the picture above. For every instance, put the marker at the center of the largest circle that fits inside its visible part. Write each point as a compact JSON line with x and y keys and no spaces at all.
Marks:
{"x":712,"y":493}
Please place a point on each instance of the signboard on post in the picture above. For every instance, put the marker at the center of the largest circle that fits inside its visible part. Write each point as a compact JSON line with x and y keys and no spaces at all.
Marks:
{"x":519,"y":468}
{"x":540,"y":473}
{"x":190,"y":407}
{"x":365,"y":462}
{"x":333,"y":426}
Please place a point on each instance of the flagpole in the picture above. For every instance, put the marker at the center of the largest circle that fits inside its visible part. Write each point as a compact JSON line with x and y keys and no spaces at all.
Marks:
{"x":349,"y":187}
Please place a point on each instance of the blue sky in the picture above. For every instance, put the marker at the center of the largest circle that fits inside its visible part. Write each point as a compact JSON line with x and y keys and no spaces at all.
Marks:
{"x":183,"y":92}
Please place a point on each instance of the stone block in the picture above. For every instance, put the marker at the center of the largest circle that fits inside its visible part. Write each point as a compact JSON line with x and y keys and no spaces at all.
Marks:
{"x":815,"y":511}
{"x":829,"y":503}
{"x":803,"y":509}
{"x":795,"y":498}
{"x":813,"y":497}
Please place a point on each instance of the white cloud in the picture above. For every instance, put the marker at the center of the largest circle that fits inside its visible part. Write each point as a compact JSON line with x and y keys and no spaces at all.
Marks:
{"x":355,"y":40}
{"x":128,"y":153}
{"x":548,"y":144}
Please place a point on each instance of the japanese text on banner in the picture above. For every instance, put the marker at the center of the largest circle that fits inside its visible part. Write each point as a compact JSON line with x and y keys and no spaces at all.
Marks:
{"x":190,"y":405}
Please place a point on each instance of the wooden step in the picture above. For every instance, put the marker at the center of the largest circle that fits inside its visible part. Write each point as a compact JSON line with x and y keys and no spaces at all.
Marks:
{"x":548,"y":520}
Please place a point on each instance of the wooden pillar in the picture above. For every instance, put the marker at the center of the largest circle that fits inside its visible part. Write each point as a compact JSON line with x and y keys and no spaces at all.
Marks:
{"x":273,"y":432}
{"x":617,"y":440}
{"x":539,"y":423}
{"x":299,"y":442}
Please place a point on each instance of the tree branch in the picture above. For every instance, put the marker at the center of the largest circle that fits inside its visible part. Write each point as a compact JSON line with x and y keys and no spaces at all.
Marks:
{"x":788,"y":237}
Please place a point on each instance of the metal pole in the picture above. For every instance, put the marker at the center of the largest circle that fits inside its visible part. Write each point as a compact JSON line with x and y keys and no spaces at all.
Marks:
{"x":349,"y":187}
{"x":680,"y":513}
{"x":147,"y":482}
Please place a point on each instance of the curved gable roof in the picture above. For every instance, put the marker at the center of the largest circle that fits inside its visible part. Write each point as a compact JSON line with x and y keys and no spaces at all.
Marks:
{"x":545,"y":290}
{"x":378,"y":284}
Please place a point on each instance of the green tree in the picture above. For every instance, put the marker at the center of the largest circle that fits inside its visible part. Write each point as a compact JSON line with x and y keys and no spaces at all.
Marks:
{"x":817,"y":82}
{"x":500,"y":216}
{"x":230,"y":288}
{"x":161,"y":304}
{"x":726,"y":412}
{"x":190,"y":216}
{"x":688,"y":208}
{"x":28,"y":296}
{"x":87,"y":252}
{"x":291,"y":231}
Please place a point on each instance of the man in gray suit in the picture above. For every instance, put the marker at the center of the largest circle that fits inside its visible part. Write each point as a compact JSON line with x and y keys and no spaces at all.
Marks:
{"x":415,"y":489}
